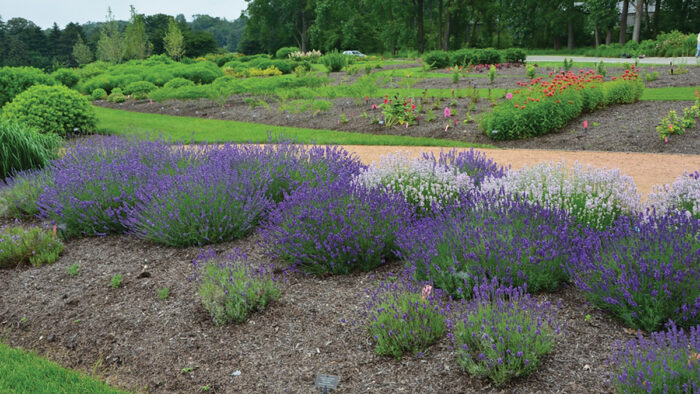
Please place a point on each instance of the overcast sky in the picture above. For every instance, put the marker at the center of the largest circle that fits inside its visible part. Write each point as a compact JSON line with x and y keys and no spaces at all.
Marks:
{"x":45,"y":12}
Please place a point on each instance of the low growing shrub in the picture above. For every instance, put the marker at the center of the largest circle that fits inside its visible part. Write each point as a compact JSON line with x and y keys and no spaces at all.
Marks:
{"x":334,"y":61}
{"x":33,"y":246}
{"x":436,"y":59}
{"x":98,"y":94}
{"x":284,"y":52}
{"x":66,"y":76}
{"x":176,"y":83}
{"x":503,"y":333}
{"x":15,"y":80}
{"x":52,"y":109}
{"x":139,"y":90}
{"x":230,"y":288}
{"x":666,"y":362}
{"x":23,"y":148}
{"x":644,"y":271}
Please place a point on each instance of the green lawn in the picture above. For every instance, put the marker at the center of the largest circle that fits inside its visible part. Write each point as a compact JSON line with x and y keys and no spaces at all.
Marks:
{"x":682,"y":93}
{"x":181,"y":128}
{"x":25,"y":372}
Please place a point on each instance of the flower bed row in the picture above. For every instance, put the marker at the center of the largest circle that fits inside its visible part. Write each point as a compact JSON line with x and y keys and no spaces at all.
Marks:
{"x":541,"y":106}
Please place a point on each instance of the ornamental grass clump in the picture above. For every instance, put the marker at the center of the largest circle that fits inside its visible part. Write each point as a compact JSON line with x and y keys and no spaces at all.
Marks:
{"x":667,"y":362}
{"x":24,"y":148}
{"x":683,"y":195}
{"x":490,"y":236}
{"x":34,"y":246}
{"x":594,"y":197}
{"x":470,"y":162}
{"x":204,"y":202}
{"x":403,"y":317}
{"x":503,"y":333}
{"x":645,"y":270}
{"x":231,"y":288}
{"x":423,"y":183}
{"x":337,"y":227}
{"x":97,"y":182}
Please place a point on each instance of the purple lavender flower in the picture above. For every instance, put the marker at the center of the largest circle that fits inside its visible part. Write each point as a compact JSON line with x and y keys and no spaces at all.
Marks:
{"x":471,"y":162}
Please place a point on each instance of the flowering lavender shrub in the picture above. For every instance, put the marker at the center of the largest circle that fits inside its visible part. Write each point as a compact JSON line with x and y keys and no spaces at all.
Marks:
{"x":35,"y":246}
{"x":404,"y":318}
{"x":230,"y":288}
{"x":97,"y":182}
{"x":645,"y":271}
{"x":490,"y":235}
{"x":203,"y":203}
{"x":471,"y":162}
{"x":683,"y":195}
{"x":21,"y":192}
{"x":503,"y":333}
{"x":594,"y":197}
{"x":336,"y":227}
{"x":668,"y":362}
{"x":424,"y":184}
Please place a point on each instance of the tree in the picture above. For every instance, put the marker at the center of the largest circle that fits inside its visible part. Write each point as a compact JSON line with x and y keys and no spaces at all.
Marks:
{"x":623,"y":21}
{"x":602,"y":17}
{"x":137,"y":44}
{"x":81,"y":52}
{"x":638,"y":12}
{"x":173,"y":41}
{"x":111,"y":46}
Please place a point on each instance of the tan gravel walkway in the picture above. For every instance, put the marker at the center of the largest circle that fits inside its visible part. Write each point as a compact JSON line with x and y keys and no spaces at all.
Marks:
{"x":647,"y":169}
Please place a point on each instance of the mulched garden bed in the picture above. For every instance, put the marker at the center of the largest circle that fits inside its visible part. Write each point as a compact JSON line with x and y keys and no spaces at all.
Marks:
{"x":140,"y":342}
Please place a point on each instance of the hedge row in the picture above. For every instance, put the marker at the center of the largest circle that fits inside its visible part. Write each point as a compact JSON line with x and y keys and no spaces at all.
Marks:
{"x":465,"y":57}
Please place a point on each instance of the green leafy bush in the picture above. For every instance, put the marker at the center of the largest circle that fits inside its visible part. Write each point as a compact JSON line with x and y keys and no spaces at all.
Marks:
{"x":334,"y":61}
{"x":34,"y":246}
{"x":98,"y":94}
{"x":66,"y":76}
{"x":52,"y":109}
{"x":514,"y":55}
{"x":139,"y":90}
{"x":178,"y":83}
{"x":116,"y":96}
{"x":436,"y":59}
{"x":283,"y":53}
{"x":23,"y":148}
{"x":231,"y":289}
{"x":15,"y":80}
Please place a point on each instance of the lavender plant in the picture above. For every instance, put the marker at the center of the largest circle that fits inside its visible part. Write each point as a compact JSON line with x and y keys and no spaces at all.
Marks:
{"x":404,"y":318}
{"x":21,"y":192}
{"x":503,"y":333}
{"x":667,"y":362}
{"x":34,"y":246}
{"x":645,"y":271}
{"x":424,"y":184}
{"x":490,"y":235}
{"x":230,"y":288}
{"x":470,"y":162}
{"x":594,"y":197}
{"x":336,"y":227}
{"x":683,"y":195}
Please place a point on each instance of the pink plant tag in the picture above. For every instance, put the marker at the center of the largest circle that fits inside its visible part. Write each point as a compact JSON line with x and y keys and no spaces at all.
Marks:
{"x":447,"y":112}
{"x":585,"y":124}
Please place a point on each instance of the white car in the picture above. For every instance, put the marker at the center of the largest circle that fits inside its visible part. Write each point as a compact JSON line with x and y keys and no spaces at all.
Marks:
{"x":354,"y":53}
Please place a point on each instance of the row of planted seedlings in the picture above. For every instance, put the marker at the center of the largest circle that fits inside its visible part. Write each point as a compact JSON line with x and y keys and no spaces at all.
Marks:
{"x":476,"y":239}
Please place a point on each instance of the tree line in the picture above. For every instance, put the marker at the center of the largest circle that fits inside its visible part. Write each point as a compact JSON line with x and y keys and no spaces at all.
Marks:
{"x":378,"y":26}
{"x":23,"y":43}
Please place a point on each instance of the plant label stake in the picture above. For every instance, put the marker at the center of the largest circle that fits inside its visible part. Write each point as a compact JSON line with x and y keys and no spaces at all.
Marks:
{"x":585,"y":125}
{"x":327,"y":382}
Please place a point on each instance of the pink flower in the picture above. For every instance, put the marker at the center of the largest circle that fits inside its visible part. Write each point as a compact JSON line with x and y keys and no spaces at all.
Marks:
{"x":509,"y":96}
{"x":447,"y":112}
{"x":374,"y":106}
{"x":425,"y":293}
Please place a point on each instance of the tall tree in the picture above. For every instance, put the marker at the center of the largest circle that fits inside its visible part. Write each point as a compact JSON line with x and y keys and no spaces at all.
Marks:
{"x":173,"y":41}
{"x":111,"y":46}
{"x":602,"y":17}
{"x":638,"y":13}
{"x":137,"y":44}
{"x":623,"y":21}
{"x":81,"y":52}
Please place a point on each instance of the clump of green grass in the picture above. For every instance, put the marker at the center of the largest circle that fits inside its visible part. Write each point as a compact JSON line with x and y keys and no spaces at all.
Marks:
{"x":116,"y":281}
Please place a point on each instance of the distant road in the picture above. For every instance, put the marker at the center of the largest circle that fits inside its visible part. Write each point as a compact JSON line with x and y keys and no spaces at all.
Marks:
{"x":648,"y":60}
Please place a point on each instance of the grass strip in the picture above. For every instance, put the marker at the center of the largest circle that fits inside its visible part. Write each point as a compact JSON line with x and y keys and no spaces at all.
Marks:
{"x":190,"y":129}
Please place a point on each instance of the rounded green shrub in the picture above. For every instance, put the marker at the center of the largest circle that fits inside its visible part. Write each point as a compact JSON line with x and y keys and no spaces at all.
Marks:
{"x":139,"y":90}
{"x":52,"y":109}
{"x":98,"y":94}
{"x":334,"y":61}
{"x":514,"y":55}
{"x":178,"y":83}
{"x":283,"y":53}
{"x":15,"y":80}
{"x":66,"y":76}
{"x":436,"y":59}
{"x":23,"y":148}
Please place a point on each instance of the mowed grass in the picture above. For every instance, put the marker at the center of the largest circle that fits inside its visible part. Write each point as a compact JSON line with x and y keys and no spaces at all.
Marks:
{"x":682,"y":93}
{"x":25,"y":372}
{"x":189,"y":129}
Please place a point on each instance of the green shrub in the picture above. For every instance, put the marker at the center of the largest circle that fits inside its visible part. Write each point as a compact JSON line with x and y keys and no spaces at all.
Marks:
{"x":514,"y":55}
{"x":116,"y":96}
{"x":200,"y":72}
{"x":436,"y":59}
{"x":93,"y":69}
{"x":191,"y":92}
{"x":283,"y":53}
{"x":66,"y":76}
{"x":487,"y":56}
{"x":22,"y":148}
{"x":139,"y":90}
{"x":178,"y":83}
{"x":34,"y":246}
{"x":22,"y":192}
{"x":52,"y":109}
{"x":15,"y":80}
{"x":334,"y":61}
{"x":98,"y":94}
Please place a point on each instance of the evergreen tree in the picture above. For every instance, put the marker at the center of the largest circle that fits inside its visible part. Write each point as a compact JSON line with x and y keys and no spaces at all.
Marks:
{"x":81,"y":52}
